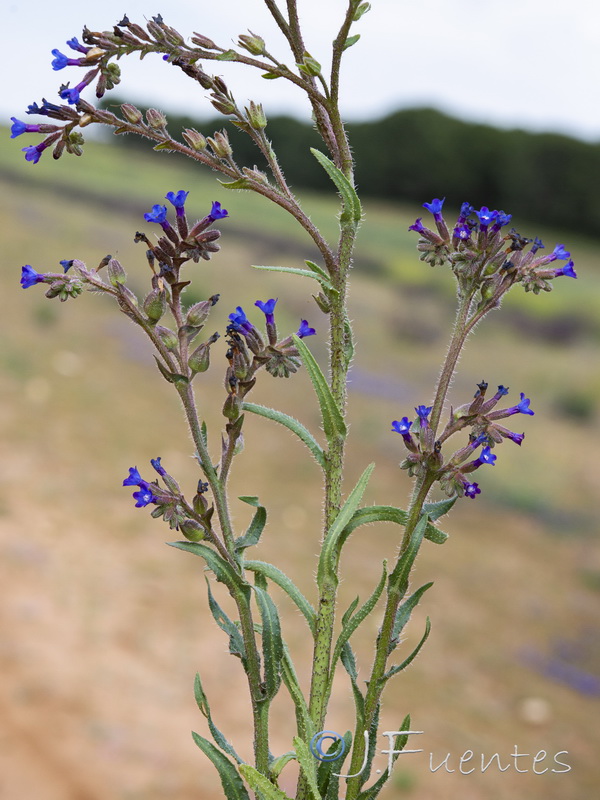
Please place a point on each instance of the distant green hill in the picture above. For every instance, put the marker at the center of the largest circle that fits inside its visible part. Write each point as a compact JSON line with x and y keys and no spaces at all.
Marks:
{"x":422,"y":153}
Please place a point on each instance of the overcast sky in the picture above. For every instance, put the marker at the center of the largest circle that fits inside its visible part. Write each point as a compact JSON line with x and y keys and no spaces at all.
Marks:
{"x":518,"y":63}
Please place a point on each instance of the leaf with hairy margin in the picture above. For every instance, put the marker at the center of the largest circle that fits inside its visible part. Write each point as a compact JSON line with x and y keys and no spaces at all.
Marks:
{"x":232,"y":784}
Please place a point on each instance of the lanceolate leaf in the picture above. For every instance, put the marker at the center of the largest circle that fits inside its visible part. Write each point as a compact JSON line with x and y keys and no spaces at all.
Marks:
{"x":331,"y":545}
{"x":293,"y":425}
{"x":363,"y":516}
{"x":398,"y":582}
{"x":258,"y":783}
{"x":318,"y":276}
{"x":399,"y":744}
{"x":290,"y":588}
{"x":307,"y":764}
{"x":271,"y":640}
{"x":333,"y":422}
{"x":236,"y":642}
{"x":405,"y":610}
{"x":204,"y":707}
{"x":436,"y":510}
{"x":232,"y":784}
{"x":329,"y":783}
{"x":304,"y":723}
{"x":253,"y":534}
{"x":395,"y":670}
{"x":222,"y":569}
{"x":352,"y":210}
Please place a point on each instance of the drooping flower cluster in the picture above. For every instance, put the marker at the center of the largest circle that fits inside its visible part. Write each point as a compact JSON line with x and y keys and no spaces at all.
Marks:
{"x":481,"y":416}
{"x":481,"y":255}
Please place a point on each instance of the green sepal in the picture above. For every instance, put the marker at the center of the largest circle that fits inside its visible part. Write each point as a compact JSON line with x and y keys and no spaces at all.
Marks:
{"x":240,"y":183}
{"x":307,"y":765}
{"x":333,"y":421}
{"x":165,"y":146}
{"x":398,"y":582}
{"x":330,"y":551}
{"x":436,"y":510}
{"x":350,"y":41}
{"x":403,"y":614}
{"x":399,"y":744}
{"x":236,"y":642}
{"x":232,"y":784}
{"x":395,"y":670}
{"x":271,"y":642}
{"x":270,"y":76}
{"x":254,"y":532}
{"x":204,"y":707}
{"x":323,"y":279}
{"x":289,"y":587}
{"x":228,"y":55}
{"x":172,"y":377}
{"x":352,"y":211}
{"x":351,"y":623}
{"x":258,"y":783}
{"x":363,"y":516}
{"x":293,"y":425}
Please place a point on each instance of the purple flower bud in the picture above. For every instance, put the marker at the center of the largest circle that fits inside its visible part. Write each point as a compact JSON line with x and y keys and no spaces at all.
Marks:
{"x":537,"y":245}
{"x":46,"y":109}
{"x":465,"y":211}
{"x":66,"y":264}
{"x":157,"y":466}
{"x":435,"y":207}
{"x":74,"y":44}
{"x":305,"y":330}
{"x":239,"y":322}
{"x":423,"y":412}
{"x":566,"y":270}
{"x":29,"y":277}
{"x":501,"y":220}
{"x":417,"y":226}
{"x":471,"y":489}
{"x":268,"y":307}
{"x":216,"y":212}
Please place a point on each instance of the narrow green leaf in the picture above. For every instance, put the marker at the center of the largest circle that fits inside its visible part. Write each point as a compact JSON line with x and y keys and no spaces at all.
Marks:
{"x":350,"y":41}
{"x":352,"y":208}
{"x":329,"y":784}
{"x":228,"y":55}
{"x":293,"y":425}
{"x":362,"y":9}
{"x":399,"y":578}
{"x":240,"y":183}
{"x":253,"y":534}
{"x":399,"y":744}
{"x":333,"y":422}
{"x":323,"y":279}
{"x":236,"y":642}
{"x":222,"y":569}
{"x":165,"y":146}
{"x":316,"y":268}
{"x":395,"y":670}
{"x":349,"y":662}
{"x":349,"y":611}
{"x":171,"y":377}
{"x":232,"y":784}
{"x":288,"y":586}
{"x":270,"y":76}
{"x":307,"y":765}
{"x":436,"y":510}
{"x":258,"y":783}
{"x":364,"y":516}
{"x":271,"y":641}
{"x":331,"y":545}
{"x":351,"y":624}
{"x":304,"y":723}
{"x":403,"y":614}
{"x":276,"y":766}
{"x":204,"y":707}
{"x":348,"y":341}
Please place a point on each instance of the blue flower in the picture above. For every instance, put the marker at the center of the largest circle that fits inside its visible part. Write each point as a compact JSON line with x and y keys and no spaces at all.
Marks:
{"x":523,"y":406}
{"x":33,"y":152}
{"x":71,"y":95}
{"x":158,"y":214}
{"x":417,"y":226}
{"x":18,"y":127}
{"x":66,"y":264}
{"x":461,"y":232}
{"x":158,"y":466}
{"x":239,"y":321}
{"x":177,"y":199}
{"x":486,"y":217}
{"x":46,"y":109}
{"x":471,"y":489}
{"x":134,"y":478}
{"x":29,"y":277}
{"x":465,"y":211}
{"x":305,"y":330}
{"x":559,"y":252}
{"x":435,"y":207}
{"x":61,"y":61}
{"x":423,"y":412}
{"x":486,"y":456}
{"x":75,"y":45}
{"x":144,"y":496}
{"x":567,"y":270}
{"x":403,"y":426}
{"x":501,"y":220}
{"x":268,"y":308}
{"x":517,"y":438}
{"x":216,"y":212}
{"x":537,"y":245}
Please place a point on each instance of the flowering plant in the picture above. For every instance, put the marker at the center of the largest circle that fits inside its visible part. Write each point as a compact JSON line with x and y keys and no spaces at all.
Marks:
{"x":486,"y":260}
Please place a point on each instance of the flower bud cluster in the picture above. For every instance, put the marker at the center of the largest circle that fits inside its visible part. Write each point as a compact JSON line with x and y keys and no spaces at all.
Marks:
{"x":482,"y":256}
{"x":481,"y":416}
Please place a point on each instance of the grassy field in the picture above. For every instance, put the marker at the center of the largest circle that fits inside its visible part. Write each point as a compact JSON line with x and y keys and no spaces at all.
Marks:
{"x":103,"y":627}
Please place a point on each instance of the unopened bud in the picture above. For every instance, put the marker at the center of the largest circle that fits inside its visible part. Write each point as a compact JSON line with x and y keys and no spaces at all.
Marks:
{"x":173,"y":36}
{"x":256,"y":116}
{"x":131,"y":113}
{"x":156,"y":119}
{"x":168,"y":338}
{"x":195,"y":139}
{"x":192,"y":530}
{"x":220,"y":144}
{"x":116,"y":273}
{"x":232,"y":407}
{"x":199,"y":361}
{"x":310,"y":66}
{"x":255,"y":175}
{"x":253,"y":44}
{"x":155,"y":304}
{"x":198,"y":313}
{"x":203,"y":41}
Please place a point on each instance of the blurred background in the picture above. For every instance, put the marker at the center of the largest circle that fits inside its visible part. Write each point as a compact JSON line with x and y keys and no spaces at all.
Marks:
{"x":102,"y":627}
